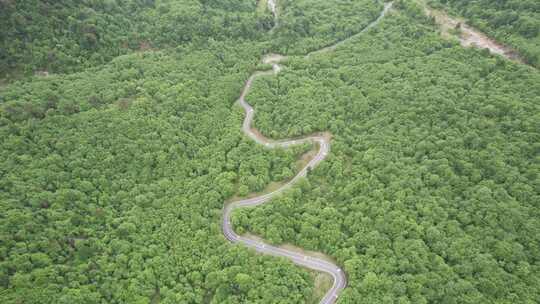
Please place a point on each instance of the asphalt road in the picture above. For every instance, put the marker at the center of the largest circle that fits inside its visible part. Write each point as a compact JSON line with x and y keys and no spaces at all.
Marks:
{"x":323,"y":144}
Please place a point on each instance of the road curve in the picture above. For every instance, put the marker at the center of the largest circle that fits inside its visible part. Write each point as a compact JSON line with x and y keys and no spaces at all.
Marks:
{"x":323,"y":144}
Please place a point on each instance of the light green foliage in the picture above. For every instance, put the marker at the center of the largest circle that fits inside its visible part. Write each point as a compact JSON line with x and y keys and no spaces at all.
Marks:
{"x":113,"y":178}
{"x":121,"y":199}
{"x":307,"y":25}
{"x":430,"y":194}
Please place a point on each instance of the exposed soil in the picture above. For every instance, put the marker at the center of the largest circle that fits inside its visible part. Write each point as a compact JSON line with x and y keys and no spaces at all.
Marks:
{"x":272,"y":58}
{"x":468,"y":36}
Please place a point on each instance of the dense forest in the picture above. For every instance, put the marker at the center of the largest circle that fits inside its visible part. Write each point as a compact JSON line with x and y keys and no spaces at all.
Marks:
{"x":115,"y":167}
{"x":121,"y":203}
{"x":515,"y":22}
{"x":431,"y":193}
{"x":68,"y":35}
{"x":307,"y":25}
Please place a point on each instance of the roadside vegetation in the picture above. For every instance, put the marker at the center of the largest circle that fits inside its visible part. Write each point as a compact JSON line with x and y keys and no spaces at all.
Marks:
{"x":430,"y":194}
{"x":307,"y":25}
{"x":115,"y":167}
{"x":120,"y":202}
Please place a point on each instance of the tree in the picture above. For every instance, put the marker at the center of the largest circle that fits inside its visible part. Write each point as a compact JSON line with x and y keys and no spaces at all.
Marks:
{"x":243,"y":282}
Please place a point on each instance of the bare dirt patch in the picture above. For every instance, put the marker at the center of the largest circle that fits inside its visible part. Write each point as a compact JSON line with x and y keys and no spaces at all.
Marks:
{"x":468,"y":36}
{"x":272,"y":58}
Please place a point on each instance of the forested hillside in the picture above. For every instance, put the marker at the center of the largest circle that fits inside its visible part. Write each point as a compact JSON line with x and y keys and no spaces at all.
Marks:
{"x":68,"y":35}
{"x":114,"y":169}
{"x":431,"y":193}
{"x":113,"y":178}
{"x":515,"y":22}
{"x":307,"y":25}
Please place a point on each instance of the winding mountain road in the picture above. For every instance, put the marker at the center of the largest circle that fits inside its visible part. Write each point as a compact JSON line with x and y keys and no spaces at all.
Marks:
{"x":470,"y":38}
{"x":323,"y":143}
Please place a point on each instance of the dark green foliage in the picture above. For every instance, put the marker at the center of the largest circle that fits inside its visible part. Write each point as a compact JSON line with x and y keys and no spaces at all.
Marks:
{"x":516,"y":22}
{"x":431,"y":193}
{"x":67,"y":35}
